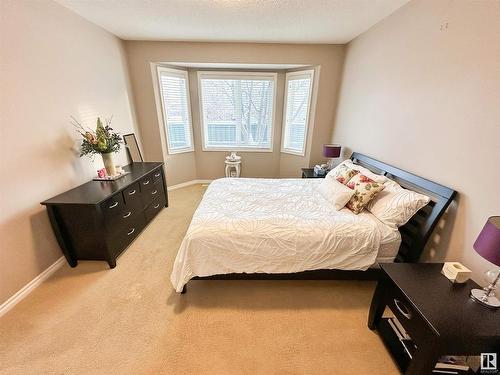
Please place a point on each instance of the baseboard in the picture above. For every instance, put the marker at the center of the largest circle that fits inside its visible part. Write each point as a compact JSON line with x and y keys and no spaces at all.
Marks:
{"x":28,"y":288}
{"x":188,"y":183}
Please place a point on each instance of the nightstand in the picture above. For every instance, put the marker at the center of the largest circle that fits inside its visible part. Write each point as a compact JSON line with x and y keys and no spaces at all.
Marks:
{"x":439,"y":317}
{"x":309,"y":173}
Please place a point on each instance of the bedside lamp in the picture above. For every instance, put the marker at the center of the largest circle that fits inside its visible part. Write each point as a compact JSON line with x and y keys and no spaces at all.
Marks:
{"x":488,"y":246}
{"x":331,"y":151}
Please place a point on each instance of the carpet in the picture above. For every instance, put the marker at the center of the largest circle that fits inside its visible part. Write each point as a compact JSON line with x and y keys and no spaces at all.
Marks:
{"x":129,"y":320}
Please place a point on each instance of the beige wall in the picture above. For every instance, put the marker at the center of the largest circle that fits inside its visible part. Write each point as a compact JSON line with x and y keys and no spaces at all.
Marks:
{"x":421,"y":90}
{"x":210,"y":164}
{"x":53,"y":64}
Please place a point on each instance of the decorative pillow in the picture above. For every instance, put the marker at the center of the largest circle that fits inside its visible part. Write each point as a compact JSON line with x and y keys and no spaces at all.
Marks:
{"x":396,"y":205}
{"x":375,"y":177}
{"x":335,"y":192}
{"x":365,"y":189}
{"x":342,"y":173}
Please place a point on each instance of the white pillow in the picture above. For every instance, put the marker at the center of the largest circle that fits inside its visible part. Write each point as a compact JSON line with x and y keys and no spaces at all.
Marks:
{"x":395,"y":205}
{"x":365,"y":171}
{"x":335,"y":192}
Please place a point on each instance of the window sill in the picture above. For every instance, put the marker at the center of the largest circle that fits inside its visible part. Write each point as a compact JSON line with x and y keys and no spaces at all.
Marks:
{"x":291,"y":152}
{"x":239,"y":149}
{"x":180,"y":151}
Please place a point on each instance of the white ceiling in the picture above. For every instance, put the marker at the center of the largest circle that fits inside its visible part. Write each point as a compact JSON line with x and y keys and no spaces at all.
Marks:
{"x":281,"y":21}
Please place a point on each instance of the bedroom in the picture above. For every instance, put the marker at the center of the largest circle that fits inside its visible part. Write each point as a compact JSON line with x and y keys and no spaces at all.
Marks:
{"x":414,"y":84}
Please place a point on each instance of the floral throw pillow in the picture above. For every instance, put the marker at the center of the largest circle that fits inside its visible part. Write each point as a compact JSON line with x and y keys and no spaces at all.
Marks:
{"x":343,"y":174}
{"x":365,"y":189}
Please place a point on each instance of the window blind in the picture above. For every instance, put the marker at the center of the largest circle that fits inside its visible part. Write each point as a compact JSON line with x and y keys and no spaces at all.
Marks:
{"x":237,"y":111}
{"x":176,"y":109}
{"x":296,"y":118}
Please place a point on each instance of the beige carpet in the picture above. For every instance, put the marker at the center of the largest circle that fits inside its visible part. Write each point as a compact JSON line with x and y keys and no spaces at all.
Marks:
{"x":92,"y":320}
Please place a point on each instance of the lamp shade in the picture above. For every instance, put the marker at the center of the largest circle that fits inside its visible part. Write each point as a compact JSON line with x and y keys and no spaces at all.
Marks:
{"x":331,"y":151}
{"x":488,"y":242}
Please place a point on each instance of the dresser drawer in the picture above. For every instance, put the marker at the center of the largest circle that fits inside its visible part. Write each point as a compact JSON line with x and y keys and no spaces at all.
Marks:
{"x":410,"y":319}
{"x":113,"y":207}
{"x":129,"y":215}
{"x":147,"y":182}
{"x":126,"y":218}
{"x":118,"y":240}
{"x":132,"y":196}
{"x":152,"y":192}
{"x":152,"y":210}
{"x":157,"y":175}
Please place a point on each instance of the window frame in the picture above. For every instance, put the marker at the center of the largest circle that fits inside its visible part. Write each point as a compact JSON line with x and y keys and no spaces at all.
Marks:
{"x":307,"y":73}
{"x":238,"y":75}
{"x":179,"y":73}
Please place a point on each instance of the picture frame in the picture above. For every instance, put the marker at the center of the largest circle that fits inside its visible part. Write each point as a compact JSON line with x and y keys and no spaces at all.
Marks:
{"x":133,"y":150}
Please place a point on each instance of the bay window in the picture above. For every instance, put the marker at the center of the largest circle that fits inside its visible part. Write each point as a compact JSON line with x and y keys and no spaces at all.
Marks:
{"x":174,"y":94}
{"x":298,"y":92}
{"x":237,"y":110}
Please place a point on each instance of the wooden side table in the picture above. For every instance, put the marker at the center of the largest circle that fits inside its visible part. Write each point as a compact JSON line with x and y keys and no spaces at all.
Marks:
{"x":439,"y":317}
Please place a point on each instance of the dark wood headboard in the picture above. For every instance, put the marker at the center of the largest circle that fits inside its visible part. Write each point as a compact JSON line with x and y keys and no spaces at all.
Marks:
{"x":415,"y":233}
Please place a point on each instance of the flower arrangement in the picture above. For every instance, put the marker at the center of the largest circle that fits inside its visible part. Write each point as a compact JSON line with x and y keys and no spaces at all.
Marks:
{"x":101,"y":141}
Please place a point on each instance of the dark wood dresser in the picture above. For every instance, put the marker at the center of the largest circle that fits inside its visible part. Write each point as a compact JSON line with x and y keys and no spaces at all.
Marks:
{"x":99,"y":219}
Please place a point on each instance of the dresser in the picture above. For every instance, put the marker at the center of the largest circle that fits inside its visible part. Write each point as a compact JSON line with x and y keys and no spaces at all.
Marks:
{"x":99,"y":219}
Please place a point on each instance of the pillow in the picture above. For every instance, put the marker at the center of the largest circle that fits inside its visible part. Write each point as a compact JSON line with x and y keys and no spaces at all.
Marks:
{"x":375,"y":177}
{"x":365,"y":189}
{"x":396,"y":205}
{"x":342,"y":173}
{"x":334,"y":192}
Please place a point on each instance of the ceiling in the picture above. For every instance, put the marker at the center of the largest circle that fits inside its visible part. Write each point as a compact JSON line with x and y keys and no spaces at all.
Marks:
{"x":280,"y":21}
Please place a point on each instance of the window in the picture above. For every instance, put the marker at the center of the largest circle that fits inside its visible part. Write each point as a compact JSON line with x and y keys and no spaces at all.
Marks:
{"x":298,"y":92}
{"x":237,"y":110}
{"x":174,"y":94}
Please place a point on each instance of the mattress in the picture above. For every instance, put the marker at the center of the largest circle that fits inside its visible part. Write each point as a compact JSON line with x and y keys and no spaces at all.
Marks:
{"x":246,"y":225}
{"x":389,"y":243}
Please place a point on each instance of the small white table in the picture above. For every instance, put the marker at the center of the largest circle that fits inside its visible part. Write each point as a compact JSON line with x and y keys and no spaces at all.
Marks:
{"x":233,"y":168}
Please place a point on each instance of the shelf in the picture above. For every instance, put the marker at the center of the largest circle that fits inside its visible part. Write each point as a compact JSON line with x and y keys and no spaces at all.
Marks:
{"x":395,"y":346}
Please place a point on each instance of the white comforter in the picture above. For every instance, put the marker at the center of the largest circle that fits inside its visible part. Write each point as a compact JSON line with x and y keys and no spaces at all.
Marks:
{"x":246,"y":225}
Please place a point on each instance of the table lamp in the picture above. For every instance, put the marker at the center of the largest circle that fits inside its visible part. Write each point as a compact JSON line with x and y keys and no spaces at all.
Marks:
{"x":488,"y":246}
{"x":331,"y":151}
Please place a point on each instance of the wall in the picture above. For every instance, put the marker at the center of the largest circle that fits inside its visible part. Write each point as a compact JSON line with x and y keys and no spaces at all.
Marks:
{"x":421,"y":91}
{"x":210,"y":164}
{"x":53,"y":64}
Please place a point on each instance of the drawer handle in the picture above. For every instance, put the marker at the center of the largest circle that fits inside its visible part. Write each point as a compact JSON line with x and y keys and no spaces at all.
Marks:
{"x":130,"y":231}
{"x":402,"y":309}
{"x":158,"y":205}
{"x":131,"y":192}
{"x":127,"y":214}
{"x":114,"y":205}
{"x":145,"y":182}
{"x":154,"y":192}
{"x":157,"y":175}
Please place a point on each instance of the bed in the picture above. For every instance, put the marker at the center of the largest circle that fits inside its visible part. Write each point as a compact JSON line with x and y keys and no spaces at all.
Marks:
{"x":282,"y":229}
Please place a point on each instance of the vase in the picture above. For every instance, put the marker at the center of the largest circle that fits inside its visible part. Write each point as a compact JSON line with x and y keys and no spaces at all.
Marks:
{"x":109,"y":164}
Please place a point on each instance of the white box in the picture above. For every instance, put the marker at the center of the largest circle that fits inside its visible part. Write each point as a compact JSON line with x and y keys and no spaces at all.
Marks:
{"x":456,"y":272}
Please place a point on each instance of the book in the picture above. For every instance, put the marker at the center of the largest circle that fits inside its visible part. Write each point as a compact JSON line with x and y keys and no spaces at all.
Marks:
{"x":452,"y":365}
